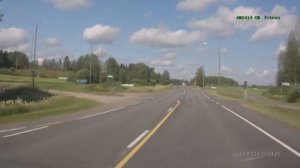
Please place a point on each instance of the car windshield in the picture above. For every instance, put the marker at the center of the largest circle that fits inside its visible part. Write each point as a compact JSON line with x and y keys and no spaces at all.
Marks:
{"x":149,"y":83}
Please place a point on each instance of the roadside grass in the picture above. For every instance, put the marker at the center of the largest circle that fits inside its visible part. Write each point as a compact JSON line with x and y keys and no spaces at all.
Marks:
{"x":291,"y":116}
{"x":61,"y":85}
{"x":288,"y":115}
{"x":156,"y":88}
{"x":53,"y":106}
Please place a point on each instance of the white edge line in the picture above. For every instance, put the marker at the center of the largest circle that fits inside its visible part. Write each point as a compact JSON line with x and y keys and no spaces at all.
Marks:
{"x":93,"y":115}
{"x":12,"y":129}
{"x":170,"y":109}
{"x":266,"y":133}
{"x":133,"y":143}
{"x":23,"y":132}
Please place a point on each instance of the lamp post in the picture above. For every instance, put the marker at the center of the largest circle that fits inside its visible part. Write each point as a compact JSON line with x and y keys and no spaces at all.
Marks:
{"x":219,"y":67}
{"x":91,"y":61}
{"x":34,"y":53}
{"x":219,"y":60}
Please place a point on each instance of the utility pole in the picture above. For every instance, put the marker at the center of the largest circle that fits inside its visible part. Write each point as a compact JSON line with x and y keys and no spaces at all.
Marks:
{"x":91,"y":62}
{"x":34,"y":54}
{"x":203,"y":77}
{"x":219,"y":67}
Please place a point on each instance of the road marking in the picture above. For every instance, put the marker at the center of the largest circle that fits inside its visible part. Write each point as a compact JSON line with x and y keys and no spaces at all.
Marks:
{"x":205,"y":95}
{"x":12,"y":129}
{"x":144,"y":140}
{"x":265,"y":132}
{"x":217,"y":103}
{"x":93,"y":115}
{"x":18,"y":133}
{"x":170,"y":109}
{"x":132,"y":144}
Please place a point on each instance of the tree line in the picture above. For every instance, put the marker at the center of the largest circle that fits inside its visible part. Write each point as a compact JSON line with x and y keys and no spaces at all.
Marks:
{"x":138,"y":73}
{"x":201,"y":79}
{"x":13,"y":59}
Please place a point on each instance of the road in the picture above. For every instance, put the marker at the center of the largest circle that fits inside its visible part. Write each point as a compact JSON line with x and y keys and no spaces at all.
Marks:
{"x":184,"y":127}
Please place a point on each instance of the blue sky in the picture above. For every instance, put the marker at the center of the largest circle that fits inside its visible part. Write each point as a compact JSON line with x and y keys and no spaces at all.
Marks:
{"x":163,"y":34}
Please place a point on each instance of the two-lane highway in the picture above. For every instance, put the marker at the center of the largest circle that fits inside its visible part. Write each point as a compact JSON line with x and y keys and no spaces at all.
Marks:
{"x":180,"y":128}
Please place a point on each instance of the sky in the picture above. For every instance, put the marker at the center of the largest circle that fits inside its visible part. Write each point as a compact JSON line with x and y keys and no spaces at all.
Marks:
{"x":174,"y":35}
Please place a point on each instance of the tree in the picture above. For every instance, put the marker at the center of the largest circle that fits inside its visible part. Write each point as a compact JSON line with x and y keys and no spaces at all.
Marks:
{"x":199,"y":76}
{"x":112,"y":67}
{"x":66,"y":64}
{"x":289,"y":62}
{"x":165,"y":78}
{"x":18,"y":59}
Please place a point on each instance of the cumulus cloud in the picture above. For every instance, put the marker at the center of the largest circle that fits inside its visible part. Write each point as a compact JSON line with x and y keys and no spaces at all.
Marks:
{"x":198,"y":5}
{"x":101,"y":34}
{"x":283,"y":26}
{"x":166,"y":59}
{"x":225,"y":69}
{"x":13,"y":38}
{"x":250,"y":71}
{"x":194,"y":5}
{"x":260,"y":74}
{"x":70,"y":4}
{"x":100,"y":52}
{"x":163,"y":38}
{"x":281,"y":48}
{"x":52,"y":42}
{"x":224,"y":23}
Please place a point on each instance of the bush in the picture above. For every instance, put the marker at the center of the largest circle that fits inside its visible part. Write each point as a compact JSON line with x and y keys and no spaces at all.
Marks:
{"x":293,"y":97}
{"x":83,"y":74}
{"x":26,"y":94}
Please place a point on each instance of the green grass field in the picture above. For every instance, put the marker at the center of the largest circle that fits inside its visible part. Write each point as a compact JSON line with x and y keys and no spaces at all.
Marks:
{"x":61,"y":85}
{"x":53,"y":106}
{"x":283,"y":113}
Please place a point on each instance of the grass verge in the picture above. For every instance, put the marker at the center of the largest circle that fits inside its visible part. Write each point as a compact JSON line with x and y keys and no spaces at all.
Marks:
{"x":56,"y":84}
{"x":53,"y":106}
{"x":291,"y":116}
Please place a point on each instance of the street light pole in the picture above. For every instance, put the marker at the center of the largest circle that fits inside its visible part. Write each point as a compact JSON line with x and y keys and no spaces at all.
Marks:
{"x":203,"y":76}
{"x":91,"y":62}
{"x":219,"y":67}
{"x":34,"y":53}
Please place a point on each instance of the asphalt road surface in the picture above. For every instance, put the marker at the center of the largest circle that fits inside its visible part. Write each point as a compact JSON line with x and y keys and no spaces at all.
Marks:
{"x":184,"y":127}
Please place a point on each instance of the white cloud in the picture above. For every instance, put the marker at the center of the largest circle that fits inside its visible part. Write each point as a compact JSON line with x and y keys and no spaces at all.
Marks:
{"x":52,"y":41}
{"x":194,"y":5}
{"x":259,"y":74}
{"x":100,"y":52}
{"x":225,"y":69}
{"x":70,"y":4}
{"x":163,"y":38}
{"x":262,"y":74}
{"x":224,"y":23}
{"x":198,"y":5}
{"x":224,"y":50}
{"x":101,"y":34}
{"x":166,"y":59}
{"x":281,"y":48}
{"x":250,"y":71}
{"x":272,"y":28}
{"x":13,"y":38}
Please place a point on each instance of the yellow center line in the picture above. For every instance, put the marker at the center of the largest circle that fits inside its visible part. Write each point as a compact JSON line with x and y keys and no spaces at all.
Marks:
{"x":146,"y":138}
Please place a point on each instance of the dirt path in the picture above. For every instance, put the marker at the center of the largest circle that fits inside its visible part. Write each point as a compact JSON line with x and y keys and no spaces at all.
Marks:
{"x":124,"y":98}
